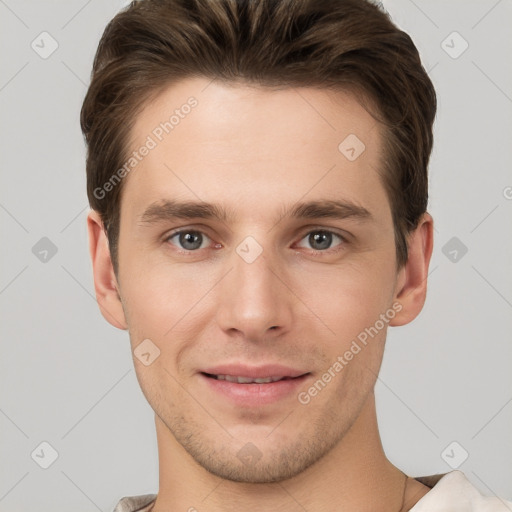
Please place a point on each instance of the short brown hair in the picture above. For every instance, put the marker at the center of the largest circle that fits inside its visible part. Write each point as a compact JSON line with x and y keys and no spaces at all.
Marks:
{"x":337,"y":44}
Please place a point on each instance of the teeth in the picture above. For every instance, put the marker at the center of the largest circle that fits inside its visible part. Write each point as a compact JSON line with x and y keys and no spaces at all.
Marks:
{"x":248,"y":380}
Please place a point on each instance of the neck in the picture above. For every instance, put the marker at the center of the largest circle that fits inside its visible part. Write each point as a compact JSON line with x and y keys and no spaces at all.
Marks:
{"x":354,"y":475}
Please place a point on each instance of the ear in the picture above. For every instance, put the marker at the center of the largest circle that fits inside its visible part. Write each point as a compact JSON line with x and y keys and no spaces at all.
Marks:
{"x":105,"y":282}
{"x":411,"y":284}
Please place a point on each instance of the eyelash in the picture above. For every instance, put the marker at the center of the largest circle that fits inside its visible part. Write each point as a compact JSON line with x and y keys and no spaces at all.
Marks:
{"x":315,"y":252}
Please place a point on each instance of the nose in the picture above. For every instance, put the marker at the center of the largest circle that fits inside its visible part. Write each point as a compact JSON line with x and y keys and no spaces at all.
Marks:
{"x":255,"y":301}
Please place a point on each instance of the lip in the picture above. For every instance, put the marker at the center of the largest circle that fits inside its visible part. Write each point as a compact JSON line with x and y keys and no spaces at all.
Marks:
{"x":254,"y":372}
{"x":254,"y":394}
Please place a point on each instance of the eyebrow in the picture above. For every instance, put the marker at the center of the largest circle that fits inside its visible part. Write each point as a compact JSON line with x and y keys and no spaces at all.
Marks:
{"x":167,"y":210}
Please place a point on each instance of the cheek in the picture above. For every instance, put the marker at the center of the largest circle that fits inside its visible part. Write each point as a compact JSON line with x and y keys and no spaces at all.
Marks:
{"x":346,"y":299}
{"x":161,"y":299}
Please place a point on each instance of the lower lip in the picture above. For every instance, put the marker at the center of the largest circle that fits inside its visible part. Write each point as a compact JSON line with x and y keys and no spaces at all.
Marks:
{"x":254,"y":394}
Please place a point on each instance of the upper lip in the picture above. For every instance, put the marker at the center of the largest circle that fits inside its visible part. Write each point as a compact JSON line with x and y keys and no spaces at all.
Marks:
{"x":254,"y":372}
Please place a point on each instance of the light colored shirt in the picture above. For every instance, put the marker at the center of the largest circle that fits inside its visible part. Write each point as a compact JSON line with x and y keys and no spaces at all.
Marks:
{"x":450,"y":492}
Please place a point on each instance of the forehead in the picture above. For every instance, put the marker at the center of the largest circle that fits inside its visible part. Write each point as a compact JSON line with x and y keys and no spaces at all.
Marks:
{"x":254,"y":146}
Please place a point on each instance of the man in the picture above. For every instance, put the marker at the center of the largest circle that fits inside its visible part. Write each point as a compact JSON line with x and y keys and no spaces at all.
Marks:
{"x":257,"y":173}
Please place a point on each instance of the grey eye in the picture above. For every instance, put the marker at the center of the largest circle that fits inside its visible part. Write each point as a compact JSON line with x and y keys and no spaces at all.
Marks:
{"x":320,"y":240}
{"x":188,"y":240}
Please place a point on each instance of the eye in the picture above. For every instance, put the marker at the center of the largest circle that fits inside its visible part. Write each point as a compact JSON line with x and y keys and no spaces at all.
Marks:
{"x":321,"y":240}
{"x":188,"y":240}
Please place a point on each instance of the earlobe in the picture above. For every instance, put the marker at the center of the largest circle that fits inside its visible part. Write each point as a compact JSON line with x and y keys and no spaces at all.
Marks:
{"x":411,"y":289}
{"x":105,"y":281}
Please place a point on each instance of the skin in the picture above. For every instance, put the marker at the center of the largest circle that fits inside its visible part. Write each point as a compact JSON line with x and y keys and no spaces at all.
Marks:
{"x":256,"y":152}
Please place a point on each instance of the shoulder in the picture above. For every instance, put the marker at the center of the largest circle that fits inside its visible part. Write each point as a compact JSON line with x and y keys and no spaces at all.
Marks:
{"x":135,"y":503}
{"x":453,"y":492}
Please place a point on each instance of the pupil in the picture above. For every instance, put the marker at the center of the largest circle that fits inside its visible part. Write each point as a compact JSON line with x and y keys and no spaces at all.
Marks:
{"x":190,"y":240}
{"x":320,"y":239}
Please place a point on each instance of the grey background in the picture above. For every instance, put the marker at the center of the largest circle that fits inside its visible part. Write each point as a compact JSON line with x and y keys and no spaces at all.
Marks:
{"x":67,"y":376}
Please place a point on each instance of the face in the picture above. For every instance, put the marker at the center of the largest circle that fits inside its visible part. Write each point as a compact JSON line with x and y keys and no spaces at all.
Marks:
{"x":253,"y":245}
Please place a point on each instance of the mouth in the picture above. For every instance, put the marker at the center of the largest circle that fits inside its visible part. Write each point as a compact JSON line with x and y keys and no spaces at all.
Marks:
{"x":249,"y":391}
{"x":250,"y":380}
